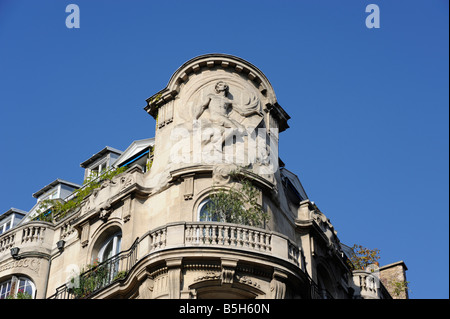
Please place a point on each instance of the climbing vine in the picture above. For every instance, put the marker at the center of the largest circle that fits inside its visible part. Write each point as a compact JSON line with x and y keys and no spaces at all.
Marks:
{"x":49,"y":209}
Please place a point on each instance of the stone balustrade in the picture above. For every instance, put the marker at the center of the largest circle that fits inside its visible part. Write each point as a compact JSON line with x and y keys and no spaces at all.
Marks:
{"x":199,"y":235}
{"x":368,"y":284}
{"x":34,"y":236}
{"x":221,"y":235}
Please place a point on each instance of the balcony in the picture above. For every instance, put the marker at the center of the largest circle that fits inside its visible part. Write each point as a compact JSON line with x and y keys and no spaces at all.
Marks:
{"x":181,"y":235}
{"x":221,"y":235}
{"x":369,"y":286}
{"x":30,"y":238}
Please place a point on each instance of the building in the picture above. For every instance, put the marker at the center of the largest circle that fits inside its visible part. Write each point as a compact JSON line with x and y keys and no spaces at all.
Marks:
{"x":147,"y":223}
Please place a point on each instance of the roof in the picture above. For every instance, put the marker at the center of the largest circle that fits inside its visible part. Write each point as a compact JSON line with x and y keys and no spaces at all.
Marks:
{"x":11,"y":211}
{"x":398,"y":263}
{"x":98,"y":155}
{"x":53,"y":184}
{"x":135,"y":148}
{"x":295,"y":181}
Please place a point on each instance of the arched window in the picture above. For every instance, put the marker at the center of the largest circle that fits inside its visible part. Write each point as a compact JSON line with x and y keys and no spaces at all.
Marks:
{"x":17,"y":287}
{"x":110,"y":247}
{"x":204,"y":215}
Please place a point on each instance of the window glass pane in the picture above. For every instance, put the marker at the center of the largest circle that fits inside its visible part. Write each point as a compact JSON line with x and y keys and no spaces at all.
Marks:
{"x":204,"y":215}
{"x":110,"y":248}
{"x":118,"y":242}
{"x":107,"y":251}
{"x":4,"y":289}
{"x":25,"y":286}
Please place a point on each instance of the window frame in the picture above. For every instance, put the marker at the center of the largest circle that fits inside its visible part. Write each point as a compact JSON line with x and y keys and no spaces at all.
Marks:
{"x":14,"y":282}
{"x":200,"y":208}
{"x":116,"y":240}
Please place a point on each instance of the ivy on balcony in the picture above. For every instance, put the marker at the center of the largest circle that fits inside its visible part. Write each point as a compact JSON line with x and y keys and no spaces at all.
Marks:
{"x":52,"y":209}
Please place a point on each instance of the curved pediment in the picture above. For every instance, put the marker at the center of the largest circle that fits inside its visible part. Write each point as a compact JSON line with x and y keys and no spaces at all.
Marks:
{"x":244,"y":80}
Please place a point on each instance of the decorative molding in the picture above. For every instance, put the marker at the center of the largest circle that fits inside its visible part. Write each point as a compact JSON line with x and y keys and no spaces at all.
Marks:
{"x":104,"y":214}
{"x":228,"y":270}
{"x":278,"y":285}
{"x":248,"y":281}
{"x":85,"y":234}
{"x":208,"y":275}
{"x":30,"y":263}
{"x":188,"y":186}
{"x":127,"y":208}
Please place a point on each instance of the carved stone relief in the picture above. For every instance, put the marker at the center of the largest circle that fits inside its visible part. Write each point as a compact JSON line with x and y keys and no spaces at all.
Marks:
{"x":29,"y":263}
{"x":214,"y":118}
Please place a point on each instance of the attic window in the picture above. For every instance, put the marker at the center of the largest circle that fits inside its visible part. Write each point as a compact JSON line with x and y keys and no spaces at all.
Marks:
{"x":99,"y":168}
{"x":5,"y":226}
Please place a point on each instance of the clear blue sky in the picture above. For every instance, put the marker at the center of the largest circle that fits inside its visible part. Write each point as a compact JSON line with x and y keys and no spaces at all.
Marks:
{"x":370,"y":107}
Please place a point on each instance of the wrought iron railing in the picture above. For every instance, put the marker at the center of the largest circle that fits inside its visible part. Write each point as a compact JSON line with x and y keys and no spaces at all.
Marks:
{"x":99,"y":276}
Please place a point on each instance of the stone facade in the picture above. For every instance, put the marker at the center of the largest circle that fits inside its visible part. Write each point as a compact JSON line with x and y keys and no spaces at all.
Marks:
{"x":217,"y":122}
{"x":393,"y":276}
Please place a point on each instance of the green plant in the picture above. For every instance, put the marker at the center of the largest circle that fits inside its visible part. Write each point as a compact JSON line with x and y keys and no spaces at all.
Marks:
{"x":49,"y":209}
{"x":21,"y":294}
{"x":120,"y":275}
{"x":363,"y":257}
{"x":155,"y":99}
{"x":236,"y":205}
{"x":93,"y":277}
{"x":150,"y":159}
{"x":399,"y":287}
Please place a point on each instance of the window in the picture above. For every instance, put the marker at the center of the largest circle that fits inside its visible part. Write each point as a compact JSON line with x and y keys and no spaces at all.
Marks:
{"x":110,"y":248}
{"x":204,"y":215}
{"x":5,"y":288}
{"x":105,"y":257}
{"x":5,"y":226}
{"x":103,"y":167}
{"x":17,"y":285}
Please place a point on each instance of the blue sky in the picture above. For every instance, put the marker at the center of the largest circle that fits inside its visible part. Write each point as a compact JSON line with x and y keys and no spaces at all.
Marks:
{"x":369,"y":130}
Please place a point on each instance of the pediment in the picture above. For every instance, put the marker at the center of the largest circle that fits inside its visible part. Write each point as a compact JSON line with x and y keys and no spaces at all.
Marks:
{"x":197,"y":77}
{"x":135,"y":148}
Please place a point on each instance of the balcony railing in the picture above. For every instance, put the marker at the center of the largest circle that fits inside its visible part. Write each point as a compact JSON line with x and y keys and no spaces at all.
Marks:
{"x":369,"y":284}
{"x":98,"y":276}
{"x":182,"y":235}
{"x":217,"y":234}
{"x":32,"y":236}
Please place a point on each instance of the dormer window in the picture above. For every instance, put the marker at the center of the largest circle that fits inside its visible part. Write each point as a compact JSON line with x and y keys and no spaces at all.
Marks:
{"x":5,"y":226}
{"x":10,"y":219}
{"x":97,"y":170}
{"x":100,"y":162}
